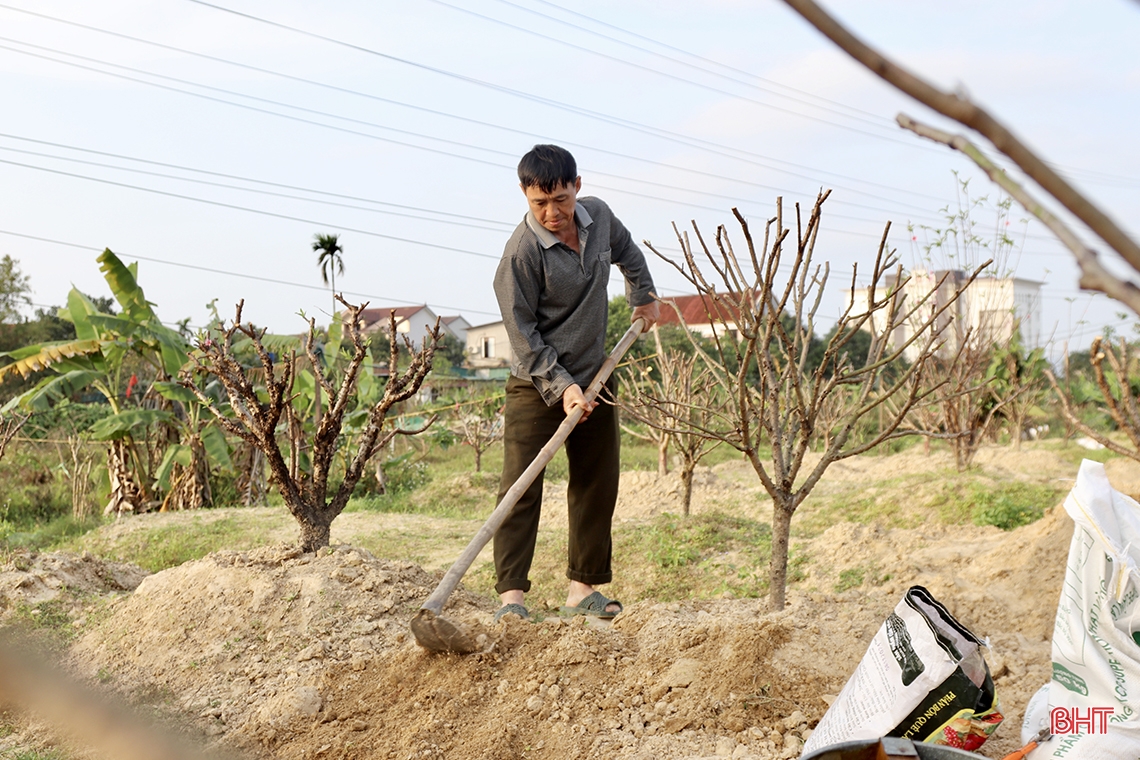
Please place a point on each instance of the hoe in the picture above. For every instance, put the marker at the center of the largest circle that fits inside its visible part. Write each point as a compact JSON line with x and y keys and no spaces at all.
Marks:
{"x":435,"y":632}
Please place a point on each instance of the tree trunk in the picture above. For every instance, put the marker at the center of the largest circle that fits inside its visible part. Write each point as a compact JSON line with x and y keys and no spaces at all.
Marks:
{"x":314,"y":534}
{"x":381,"y":479}
{"x":686,"y":488}
{"x":663,"y":457}
{"x":126,"y":496}
{"x":478,"y":458}
{"x":778,"y":573}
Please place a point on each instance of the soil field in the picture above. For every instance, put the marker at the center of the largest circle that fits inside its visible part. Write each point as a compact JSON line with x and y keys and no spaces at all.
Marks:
{"x":272,"y":654}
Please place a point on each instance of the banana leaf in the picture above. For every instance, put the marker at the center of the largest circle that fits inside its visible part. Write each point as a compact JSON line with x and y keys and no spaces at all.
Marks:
{"x":124,"y":286}
{"x":217,"y":447}
{"x":127,"y":423}
{"x":52,"y":389}
{"x":33,"y":358}
{"x":172,"y":391}
{"x":176,"y":453}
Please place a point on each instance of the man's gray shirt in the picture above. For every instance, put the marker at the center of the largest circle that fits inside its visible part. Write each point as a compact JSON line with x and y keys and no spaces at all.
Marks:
{"x":554,"y":301}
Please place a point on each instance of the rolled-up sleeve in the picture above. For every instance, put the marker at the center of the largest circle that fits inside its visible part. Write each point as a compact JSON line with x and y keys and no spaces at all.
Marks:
{"x":517,"y":286}
{"x":631,"y":261}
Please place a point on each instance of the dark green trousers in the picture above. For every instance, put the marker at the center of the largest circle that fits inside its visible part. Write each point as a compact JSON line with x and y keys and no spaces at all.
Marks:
{"x":593,"y":450}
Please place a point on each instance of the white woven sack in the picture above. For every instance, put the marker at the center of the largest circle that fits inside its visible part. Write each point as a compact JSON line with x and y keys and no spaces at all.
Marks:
{"x":1096,"y":657}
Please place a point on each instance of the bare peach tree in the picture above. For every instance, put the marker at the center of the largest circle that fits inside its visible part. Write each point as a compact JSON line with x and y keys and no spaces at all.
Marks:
{"x":479,"y":424}
{"x":1116,"y":392}
{"x":683,"y":388}
{"x":657,"y":429}
{"x":760,"y":357}
{"x":261,"y":404}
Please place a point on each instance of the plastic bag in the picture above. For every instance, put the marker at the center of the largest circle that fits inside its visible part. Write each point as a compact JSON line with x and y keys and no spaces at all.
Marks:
{"x":923,"y":678}
{"x":1092,"y":703}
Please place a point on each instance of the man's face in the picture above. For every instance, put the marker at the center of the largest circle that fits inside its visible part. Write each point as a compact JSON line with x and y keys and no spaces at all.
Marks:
{"x":554,"y":210}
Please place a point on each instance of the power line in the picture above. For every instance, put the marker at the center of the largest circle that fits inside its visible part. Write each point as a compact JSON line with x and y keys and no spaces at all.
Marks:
{"x":249,"y":179}
{"x":445,"y":114}
{"x":243,"y":275}
{"x":694,"y":142}
{"x":1094,"y":174}
{"x":370,"y":233}
{"x":732,"y":198}
{"x":677,"y":78}
{"x":667,"y":46}
{"x":465,"y":224}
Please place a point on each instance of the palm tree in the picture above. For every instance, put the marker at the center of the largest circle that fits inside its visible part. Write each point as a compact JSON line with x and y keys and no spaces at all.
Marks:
{"x":329,"y":260}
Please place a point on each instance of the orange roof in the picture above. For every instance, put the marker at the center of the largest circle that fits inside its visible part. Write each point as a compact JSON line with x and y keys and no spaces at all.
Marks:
{"x":694,"y":310}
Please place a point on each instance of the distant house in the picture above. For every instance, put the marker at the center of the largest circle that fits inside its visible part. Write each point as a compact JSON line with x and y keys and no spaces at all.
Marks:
{"x":457,"y":326}
{"x":990,"y":309}
{"x":413,"y":321}
{"x":699,"y":314}
{"x":488,"y":347}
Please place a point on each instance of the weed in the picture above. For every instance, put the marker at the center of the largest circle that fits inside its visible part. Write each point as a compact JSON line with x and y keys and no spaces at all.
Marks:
{"x":170,"y":545}
{"x":849,"y":578}
{"x":1006,"y":505}
{"x":1005,"y":511}
{"x":36,"y":754}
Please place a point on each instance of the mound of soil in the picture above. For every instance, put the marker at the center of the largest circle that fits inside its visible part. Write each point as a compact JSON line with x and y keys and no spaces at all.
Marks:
{"x":29,"y":579}
{"x":288,"y":656}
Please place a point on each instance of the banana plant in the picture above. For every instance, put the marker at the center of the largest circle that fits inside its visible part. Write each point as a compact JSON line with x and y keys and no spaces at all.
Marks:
{"x":107,"y":355}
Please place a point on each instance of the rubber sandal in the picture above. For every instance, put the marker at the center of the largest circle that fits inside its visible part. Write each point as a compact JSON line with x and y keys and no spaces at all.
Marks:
{"x":512,"y":609}
{"x":595,"y":606}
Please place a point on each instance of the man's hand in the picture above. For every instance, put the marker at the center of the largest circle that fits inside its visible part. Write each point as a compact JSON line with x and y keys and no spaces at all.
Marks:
{"x":650,"y":312}
{"x":573,"y":397}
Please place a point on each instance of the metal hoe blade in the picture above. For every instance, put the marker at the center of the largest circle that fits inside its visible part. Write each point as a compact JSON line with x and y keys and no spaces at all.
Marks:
{"x":438,"y":634}
{"x":435,"y":632}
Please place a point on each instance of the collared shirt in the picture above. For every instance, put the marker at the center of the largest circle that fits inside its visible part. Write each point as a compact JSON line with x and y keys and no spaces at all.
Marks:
{"x":554,"y":300}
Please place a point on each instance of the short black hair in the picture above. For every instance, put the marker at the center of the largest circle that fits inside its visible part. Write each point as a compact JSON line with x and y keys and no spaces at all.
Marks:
{"x":548,"y":167}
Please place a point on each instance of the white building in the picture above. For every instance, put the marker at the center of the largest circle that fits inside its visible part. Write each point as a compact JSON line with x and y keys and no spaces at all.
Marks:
{"x":415,"y":322}
{"x":989,"y":310}
{"x":488,"y":346}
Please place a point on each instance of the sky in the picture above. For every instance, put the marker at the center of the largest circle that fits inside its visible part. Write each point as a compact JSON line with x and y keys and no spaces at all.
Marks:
{"x":210,"y":141}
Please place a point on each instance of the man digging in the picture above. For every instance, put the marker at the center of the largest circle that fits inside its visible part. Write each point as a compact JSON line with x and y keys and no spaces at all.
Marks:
{"x":551,"y":286}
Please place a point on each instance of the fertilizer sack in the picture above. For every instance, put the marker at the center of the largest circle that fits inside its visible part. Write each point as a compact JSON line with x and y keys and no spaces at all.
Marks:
{"x":1091,"y":705}
{"x":923,"y":678}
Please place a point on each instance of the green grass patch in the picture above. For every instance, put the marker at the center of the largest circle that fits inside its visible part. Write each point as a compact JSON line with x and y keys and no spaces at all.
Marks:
{"x":37,"y":536}
{"x":698,"y":557}
{"x":1006,"y":505}
{"x":463,"y":496}
{"x":890,"y":502}
{"x":850,"y":578}
{"x":666,"y":558}
{"x":34,"y":754}
{"x":168,"y":544}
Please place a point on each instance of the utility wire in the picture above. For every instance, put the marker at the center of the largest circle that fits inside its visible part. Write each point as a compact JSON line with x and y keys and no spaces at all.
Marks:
{"x":688,"y":53}
{"x":761,"y":163}
{"x":371,"y":233}
{"x":1090,"y":173}
{"x":243,"y":275}
{"x":579,"y":110}
{"x":250,"y":179}
{"x":558,"y":40}
{"x":465,"y":224}
{"x":511,"y":155}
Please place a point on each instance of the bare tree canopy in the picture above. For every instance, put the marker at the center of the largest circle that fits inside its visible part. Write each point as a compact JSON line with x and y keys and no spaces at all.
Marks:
{"x":766,"y":303}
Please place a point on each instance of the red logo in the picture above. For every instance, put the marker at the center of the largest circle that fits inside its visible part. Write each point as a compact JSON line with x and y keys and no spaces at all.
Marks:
{"x":1074,"y":720}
